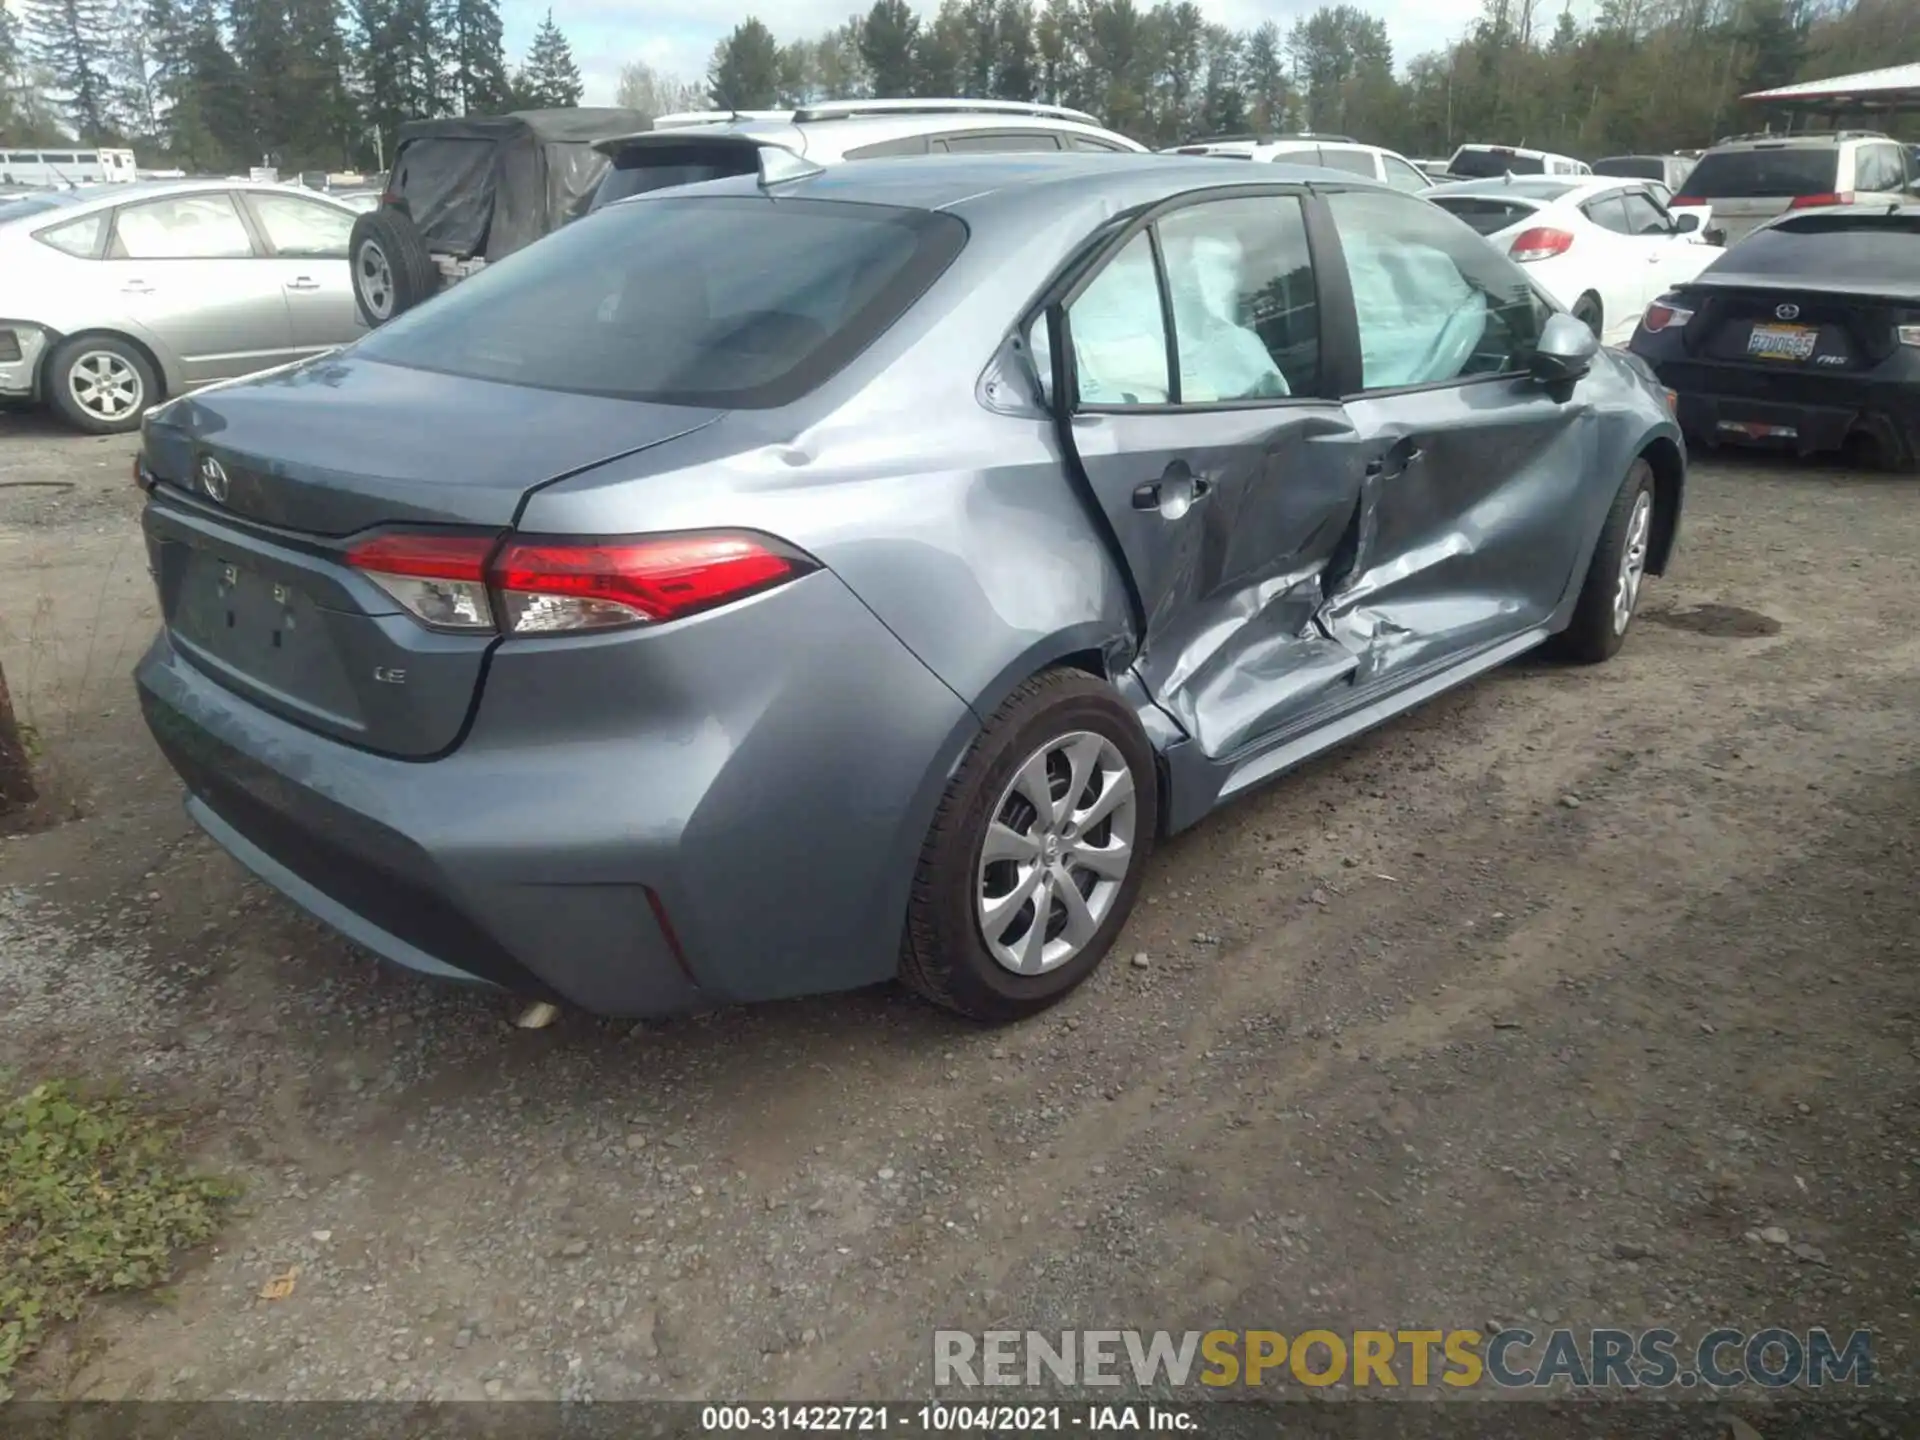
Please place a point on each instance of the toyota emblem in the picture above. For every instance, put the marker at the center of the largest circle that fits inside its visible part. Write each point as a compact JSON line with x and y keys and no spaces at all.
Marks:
{"x":213,"y":479}
{"x":1786,"y":312}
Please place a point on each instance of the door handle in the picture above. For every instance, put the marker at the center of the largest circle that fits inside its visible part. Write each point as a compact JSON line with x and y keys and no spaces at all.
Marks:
{"x":1174,"y":493}
{"x":136,"y":287}
{"x":302,"y":282}
{"x":1395,"y":462}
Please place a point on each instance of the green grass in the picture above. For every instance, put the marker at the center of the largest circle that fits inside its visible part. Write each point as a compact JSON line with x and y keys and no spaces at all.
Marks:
{"x":93,"y":1199}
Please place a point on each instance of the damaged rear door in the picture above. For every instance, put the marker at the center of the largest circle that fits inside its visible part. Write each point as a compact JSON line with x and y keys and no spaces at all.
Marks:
{"x":1471,"y":470}
{"x":1223,"y":466}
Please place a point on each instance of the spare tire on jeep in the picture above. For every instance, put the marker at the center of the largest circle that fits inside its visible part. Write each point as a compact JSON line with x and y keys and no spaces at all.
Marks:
{"x":392,"y":270}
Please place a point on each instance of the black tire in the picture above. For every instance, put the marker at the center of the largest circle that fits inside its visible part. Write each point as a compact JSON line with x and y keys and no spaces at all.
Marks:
{"x":1587,"y":311}
{"x":78,"y":384}
{"x":1593,"y":635}
{"x":392,"y":271}
{"x":944,"y":956}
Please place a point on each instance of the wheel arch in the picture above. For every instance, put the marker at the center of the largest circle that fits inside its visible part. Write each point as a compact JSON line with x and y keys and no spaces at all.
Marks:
{"x":169,"y":384}
{"x":1669,"y":467}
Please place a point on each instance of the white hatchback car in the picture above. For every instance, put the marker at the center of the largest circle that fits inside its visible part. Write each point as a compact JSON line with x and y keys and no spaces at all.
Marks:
{"x":1603,"y":247}
{"x":1329,"y":152}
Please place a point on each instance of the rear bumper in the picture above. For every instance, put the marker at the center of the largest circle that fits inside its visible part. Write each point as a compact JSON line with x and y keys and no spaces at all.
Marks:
{"x":19,"y":377}
{"x":759,"y":848}
{"x":1724,"y":404}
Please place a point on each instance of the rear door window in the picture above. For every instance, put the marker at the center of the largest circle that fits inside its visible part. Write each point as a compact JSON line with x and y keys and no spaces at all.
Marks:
{"x":1402,"y":176}
{"x":998,"y":142}
{"x":1118,"y":330}
{"x":1246,"y":314}
{"x":181,"y":227}
{"x":1608,"y":213}
{"x":1765,"y":174}
{"x":1354,"y":162}
{"x":714,"y":301}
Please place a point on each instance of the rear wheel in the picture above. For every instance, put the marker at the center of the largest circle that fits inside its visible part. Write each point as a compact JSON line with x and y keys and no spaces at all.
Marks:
{"x":1611,"y":593}
{"x":1036,"y":855}
{"x":101,"y":384}
{"x":392,"y":271}
{"x":1587,"y":311}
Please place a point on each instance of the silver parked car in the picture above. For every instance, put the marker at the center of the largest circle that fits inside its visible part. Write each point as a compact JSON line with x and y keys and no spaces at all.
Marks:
{"x":113,"y":297}
{"x":779,"y":584}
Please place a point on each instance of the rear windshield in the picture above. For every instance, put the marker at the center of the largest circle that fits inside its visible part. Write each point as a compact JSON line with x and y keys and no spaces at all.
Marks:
{"x":1763,"y":174}
{"x":643,"y":168}
{"x":1482,"y":164}
{"x":1633,"y":167}
{"x":1486,"y":216}
{"x":734,"y":301}
{"x":1870,"y":248}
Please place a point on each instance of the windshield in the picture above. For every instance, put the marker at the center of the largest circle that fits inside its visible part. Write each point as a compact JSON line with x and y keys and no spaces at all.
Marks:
{"x":714,"y":301}
{"x":1483,"y":164}
{"x":1762,"y":174}
{"x":1632,"y":167}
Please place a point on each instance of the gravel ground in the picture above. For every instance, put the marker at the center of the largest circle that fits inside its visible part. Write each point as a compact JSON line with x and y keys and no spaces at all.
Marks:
{"x":1543,"y":1005}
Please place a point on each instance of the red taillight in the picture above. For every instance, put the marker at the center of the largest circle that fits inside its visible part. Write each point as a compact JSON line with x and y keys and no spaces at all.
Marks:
{"x":1680,"y":202}
{"x":1539,"y":243}
{"x":542,"y":585}
{"x":440,"y":579}
{"x":585,"y":585}
{"x":1661,"y":314}
{"x":1815,"y":202}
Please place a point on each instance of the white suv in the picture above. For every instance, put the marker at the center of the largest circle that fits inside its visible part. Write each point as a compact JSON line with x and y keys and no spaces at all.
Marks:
{"x":697,"y":145}
{"x":1329,"y":152}
{"x":1750,"y":179}
{"x":1490,"y":162}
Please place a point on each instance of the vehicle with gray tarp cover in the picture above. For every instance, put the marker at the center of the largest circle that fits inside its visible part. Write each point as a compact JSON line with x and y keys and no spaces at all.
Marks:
{"x":467,"y":190}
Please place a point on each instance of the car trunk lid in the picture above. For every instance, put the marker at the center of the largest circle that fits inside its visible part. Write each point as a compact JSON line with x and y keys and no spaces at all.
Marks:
{"x":1793,"y":328}
{"x":249,"y":553}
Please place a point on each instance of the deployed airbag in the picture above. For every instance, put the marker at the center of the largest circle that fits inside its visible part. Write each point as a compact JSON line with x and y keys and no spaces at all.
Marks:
{"x":1420,"y":321}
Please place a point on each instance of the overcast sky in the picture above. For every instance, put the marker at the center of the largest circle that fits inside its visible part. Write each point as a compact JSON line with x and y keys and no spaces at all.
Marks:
{"x":678,"y":36}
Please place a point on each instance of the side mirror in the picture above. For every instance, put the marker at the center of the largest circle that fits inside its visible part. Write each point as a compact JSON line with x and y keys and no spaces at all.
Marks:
{"x":1566,"y":350}
{"x":1686,"y":224}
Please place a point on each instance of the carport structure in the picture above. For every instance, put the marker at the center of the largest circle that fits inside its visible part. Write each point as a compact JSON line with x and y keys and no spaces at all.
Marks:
{"x":1882,"y":94}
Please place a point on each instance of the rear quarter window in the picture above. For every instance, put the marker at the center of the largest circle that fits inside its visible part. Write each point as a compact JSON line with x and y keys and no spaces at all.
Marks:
{"x":1764,"y":174}
{"x":726,"y":301}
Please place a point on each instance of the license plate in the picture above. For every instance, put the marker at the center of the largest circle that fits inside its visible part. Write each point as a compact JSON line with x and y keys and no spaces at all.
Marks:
{"x":1782,"y":342}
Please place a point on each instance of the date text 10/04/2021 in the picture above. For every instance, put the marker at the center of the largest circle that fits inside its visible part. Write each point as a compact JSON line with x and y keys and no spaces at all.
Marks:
{"x":940,"y":1419}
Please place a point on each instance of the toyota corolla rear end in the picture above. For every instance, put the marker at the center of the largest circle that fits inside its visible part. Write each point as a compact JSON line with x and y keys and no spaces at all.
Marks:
{"x":593,"y":768}
{"x":1804,"y":338}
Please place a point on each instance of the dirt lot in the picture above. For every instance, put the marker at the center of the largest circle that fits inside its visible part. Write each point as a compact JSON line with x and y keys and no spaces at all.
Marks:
{"x":1529,"y":1007}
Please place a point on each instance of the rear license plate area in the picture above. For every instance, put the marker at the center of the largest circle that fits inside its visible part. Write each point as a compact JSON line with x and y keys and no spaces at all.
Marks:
{"x":263,"y":628}
{"x":1783,"y":342}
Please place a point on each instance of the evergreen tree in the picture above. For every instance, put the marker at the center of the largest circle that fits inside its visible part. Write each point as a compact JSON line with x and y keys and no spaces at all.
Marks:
{"x":10,"y":66}
{"x":70,"y":39}
{"x":204,"y":120}
{"x":887,"y":38}
{"x":745,"y":74}
{"x":477,"y":66}
{"x":1015,"y":74}
{"x":264,"y":50}
{"x":322,"y":116}
{"x":1266,"y":79}
{"x":551,"y":80}
{"x":134,"y":73}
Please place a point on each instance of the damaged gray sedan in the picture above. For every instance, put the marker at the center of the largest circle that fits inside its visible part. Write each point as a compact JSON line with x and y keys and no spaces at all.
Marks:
{"x":787,"y":583}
